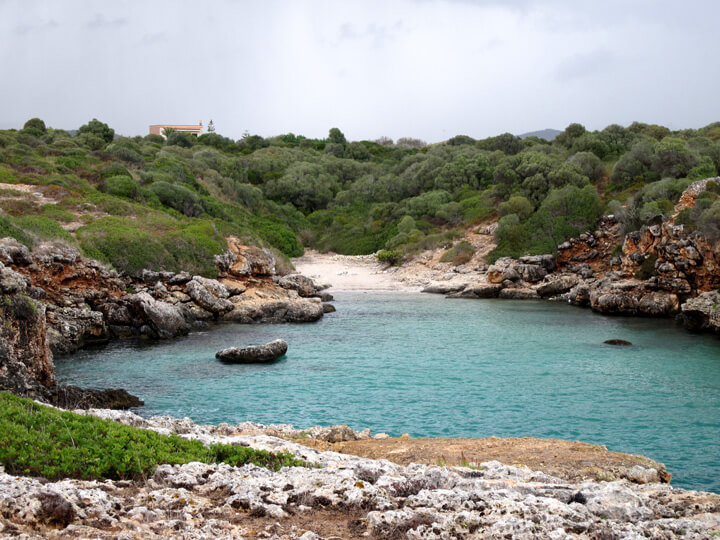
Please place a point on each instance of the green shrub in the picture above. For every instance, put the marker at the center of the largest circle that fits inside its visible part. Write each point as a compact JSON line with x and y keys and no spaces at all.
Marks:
{"x":121,"y":186}
{"x":113,"y":169}
{"x":278,"y":236}
{"x":647,"y":269}
{"x":460,"y":253}
{"x":392,"y":257}
{"x":6,"y":177}
{"x":41,"y":441}
{"x":195,"y":247}
{"x":178,"y":197}
{"x":8,"y":229}
{"x":44,"y":228}
{"x":56,"y":213}
{"x":124,"y":246}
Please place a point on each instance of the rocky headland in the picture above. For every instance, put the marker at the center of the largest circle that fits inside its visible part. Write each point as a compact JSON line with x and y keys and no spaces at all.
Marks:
{"x":54,"y":301}
{"x":347,"y":496}
{"x":661,"y":270}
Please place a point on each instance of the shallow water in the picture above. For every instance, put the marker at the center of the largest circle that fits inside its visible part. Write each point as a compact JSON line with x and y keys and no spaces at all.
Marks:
{"x":433,"y":367}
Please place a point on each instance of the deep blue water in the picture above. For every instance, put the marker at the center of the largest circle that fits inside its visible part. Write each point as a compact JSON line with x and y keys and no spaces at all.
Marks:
{"x":429,"y":366}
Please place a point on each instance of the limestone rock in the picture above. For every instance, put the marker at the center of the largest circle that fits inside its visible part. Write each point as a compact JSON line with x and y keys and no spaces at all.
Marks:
{"x":519,"y":294}
{"x":297,"y":282}
{"x":702,"y":312}
{"x":209,"y":294}
{"x":166,"y":320}
{"x":557,"y":286}
{"x":478,"y":290}
{"x":253,"y":354}
{"x":444,"y":288}
{"x":659,"y":304}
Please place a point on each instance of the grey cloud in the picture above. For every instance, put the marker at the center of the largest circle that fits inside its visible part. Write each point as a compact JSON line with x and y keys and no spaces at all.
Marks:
{"x":580,"y":66}
{"x":422,"y":68}
{"x":100,"y":20}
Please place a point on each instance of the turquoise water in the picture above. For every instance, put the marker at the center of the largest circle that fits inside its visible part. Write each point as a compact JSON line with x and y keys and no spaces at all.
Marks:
{"x":433,"y":367}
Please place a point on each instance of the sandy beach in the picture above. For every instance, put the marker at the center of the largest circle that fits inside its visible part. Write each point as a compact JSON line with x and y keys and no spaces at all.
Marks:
{"x":349,"y":272}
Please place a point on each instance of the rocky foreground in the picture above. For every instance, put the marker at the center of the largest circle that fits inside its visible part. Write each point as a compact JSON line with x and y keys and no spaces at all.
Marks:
{"x":346,"y":497}
{"x":659,"y":271}
{"x":54,"y":301}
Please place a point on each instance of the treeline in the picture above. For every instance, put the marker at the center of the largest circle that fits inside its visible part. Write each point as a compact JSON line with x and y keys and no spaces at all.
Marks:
{"x":148,"y":201}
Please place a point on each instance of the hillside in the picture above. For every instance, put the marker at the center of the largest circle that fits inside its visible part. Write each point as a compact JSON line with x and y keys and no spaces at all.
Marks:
{"x":547,"y":134}
{"x":146,"y":202}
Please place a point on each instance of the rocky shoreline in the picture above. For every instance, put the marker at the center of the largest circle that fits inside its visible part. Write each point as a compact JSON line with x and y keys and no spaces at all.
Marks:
{"x":345,"y":496}
{"x":659,"y":271}
{"x":54,"y":301}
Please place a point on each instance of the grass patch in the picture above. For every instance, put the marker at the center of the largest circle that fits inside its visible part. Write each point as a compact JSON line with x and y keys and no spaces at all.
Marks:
{"x":36,"y":440}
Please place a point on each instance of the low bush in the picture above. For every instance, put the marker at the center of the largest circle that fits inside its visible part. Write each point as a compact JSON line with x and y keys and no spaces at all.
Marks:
{"x":194,"y":248}
{"x":121,"y":186}
{"x":393,"y":257}
{"x":8,"y":229}
{"x":44,"y":228}
{"x":121,"y":244}
{"x":647,"y":269}
{"x":58,"y":213}
{"x":459,"y":254}
{"x":40,"y":441}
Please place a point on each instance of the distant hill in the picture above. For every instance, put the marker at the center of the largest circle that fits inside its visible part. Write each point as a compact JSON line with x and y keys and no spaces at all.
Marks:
{"x":547,"y":134}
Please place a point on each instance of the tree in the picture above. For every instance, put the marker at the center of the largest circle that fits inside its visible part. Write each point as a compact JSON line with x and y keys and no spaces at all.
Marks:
{"x":35,"y":124}
{"x":335,"y":136}
{"x":211,"y":126}
{"x":99,"y":129}
{"x":571,"y":133}
{"x":519,"y":206}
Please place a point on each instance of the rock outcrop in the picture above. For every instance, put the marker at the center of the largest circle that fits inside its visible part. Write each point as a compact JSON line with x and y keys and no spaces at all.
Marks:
{"x":254,"y":354}
{"x":26,"y":361}
{"x":702,"y":312}
{"x":56,"y":301}
{"x":658,"y":271}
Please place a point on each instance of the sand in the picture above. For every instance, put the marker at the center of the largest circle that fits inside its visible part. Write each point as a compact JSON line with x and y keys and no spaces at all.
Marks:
{"x":349,"y":272}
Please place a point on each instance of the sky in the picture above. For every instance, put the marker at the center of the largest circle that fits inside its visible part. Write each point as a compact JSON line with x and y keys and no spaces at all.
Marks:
{"x":429,"y":69}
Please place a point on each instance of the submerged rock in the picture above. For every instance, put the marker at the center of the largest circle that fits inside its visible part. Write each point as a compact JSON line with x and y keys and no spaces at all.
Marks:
{"x":619,"y":342}
{"x":253,"y":354}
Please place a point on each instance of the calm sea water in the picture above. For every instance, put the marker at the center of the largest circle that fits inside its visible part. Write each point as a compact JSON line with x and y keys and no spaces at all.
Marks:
{"x":433,"y":367}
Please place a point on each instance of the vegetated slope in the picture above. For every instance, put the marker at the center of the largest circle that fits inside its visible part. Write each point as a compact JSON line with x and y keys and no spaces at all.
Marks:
{"x":42,"y":441}
{"x":144,"y":201}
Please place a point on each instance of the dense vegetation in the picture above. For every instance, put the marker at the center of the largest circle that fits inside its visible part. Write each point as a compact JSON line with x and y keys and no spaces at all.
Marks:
{"x":147,"y":201}
{"x":36,"y":440}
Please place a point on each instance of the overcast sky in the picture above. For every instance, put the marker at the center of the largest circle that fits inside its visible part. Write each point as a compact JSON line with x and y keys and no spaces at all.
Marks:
{"x":422,"y":68}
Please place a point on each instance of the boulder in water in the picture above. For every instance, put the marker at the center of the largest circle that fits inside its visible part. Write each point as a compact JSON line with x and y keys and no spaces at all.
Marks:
{"x":619,"y":342}
{"x":256,"y":354}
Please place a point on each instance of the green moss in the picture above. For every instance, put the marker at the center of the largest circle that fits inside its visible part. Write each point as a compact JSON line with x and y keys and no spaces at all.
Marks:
{"x":40,"y":441}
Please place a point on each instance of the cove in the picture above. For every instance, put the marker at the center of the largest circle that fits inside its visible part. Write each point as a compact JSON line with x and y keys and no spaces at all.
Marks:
{"x":433,"y":367}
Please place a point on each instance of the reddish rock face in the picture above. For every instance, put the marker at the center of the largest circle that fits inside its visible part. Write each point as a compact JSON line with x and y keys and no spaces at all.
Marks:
{"x":592,"y":249}
{"x":243,"y":261}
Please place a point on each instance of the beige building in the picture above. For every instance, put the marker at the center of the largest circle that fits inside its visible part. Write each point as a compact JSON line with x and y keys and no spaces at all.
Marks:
{"x":159,"y":129}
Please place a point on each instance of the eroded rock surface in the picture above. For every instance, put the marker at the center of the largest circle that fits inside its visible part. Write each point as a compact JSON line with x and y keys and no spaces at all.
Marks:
{"x":348,"y":497}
